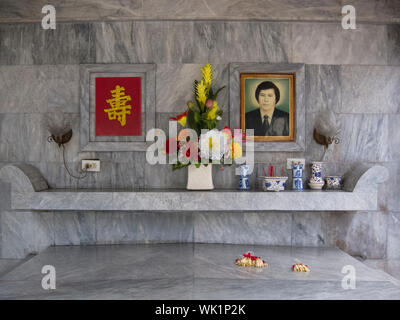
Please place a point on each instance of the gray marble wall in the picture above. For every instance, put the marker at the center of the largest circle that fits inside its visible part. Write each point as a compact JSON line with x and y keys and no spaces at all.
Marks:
{"x":355,"y":73}
{"x":274,"y":10}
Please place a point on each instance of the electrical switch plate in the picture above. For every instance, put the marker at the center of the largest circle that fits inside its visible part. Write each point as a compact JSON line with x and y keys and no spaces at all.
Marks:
{"x":290,"y":161}
{"x":91,"y":165}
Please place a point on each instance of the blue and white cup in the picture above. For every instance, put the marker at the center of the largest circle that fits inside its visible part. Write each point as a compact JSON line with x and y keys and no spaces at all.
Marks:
{"x":333,"y":182}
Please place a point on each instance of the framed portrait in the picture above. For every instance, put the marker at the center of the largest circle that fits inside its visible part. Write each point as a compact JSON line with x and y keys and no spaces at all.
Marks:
{"x":269,"y":99}
{"x":267,"y":105}
{"x":117,"y":106}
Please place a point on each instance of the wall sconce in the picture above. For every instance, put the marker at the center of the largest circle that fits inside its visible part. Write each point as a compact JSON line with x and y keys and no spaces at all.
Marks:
{"x":326,"y":129}
{"x":60,"y":130}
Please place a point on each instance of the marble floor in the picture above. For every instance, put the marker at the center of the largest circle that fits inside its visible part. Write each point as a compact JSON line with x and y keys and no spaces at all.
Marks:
{"x":193,"y":271}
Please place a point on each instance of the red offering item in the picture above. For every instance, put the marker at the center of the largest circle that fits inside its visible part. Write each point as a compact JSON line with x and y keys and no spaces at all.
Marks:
{"x":250,"y":261}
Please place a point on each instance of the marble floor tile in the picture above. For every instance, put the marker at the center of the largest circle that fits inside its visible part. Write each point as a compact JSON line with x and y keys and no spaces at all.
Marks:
{"x":6,"y":265}
{"x":238,"y":289}
{"x":193,"y":271}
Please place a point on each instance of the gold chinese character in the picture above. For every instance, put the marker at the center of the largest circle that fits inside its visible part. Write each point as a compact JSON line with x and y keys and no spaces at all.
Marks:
{"x":118,"y":108}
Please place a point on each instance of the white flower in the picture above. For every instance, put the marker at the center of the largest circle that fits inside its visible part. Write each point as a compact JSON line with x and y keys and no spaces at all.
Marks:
{"x":212,"y":145}
{"x":219,"y":118}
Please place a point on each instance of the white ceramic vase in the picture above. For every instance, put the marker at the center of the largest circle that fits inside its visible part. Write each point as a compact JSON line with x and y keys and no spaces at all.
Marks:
{"x":200,"y":178}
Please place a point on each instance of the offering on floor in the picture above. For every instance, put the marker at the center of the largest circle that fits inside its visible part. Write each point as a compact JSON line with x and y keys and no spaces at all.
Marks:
{"x":299,"y":267}
{"x":249,"y":260}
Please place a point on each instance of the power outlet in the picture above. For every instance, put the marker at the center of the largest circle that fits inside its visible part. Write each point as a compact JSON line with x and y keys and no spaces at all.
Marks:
{"x":91,"y":165}
{"x":290,"y":162}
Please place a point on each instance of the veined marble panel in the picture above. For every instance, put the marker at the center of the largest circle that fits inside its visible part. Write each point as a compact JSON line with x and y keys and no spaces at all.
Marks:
{"x":23,"y":135}
{"x":180,"y":45}
{"x":63,"y":88}
{"x":31,"y":44}
{"x":74,"y":228}
{"x":222,"y":42}
{"x":394,"y":137}
{"x":323,"y":85}
{"x":393,"y":236}
{"x":23,"y":89}
{"x":361,"y":234}
{"x":131,"y":42}
{"x":25,"y":233}
{"x":161,"y":227}
{"x":128,"y":227}
{"x":393,"y":32}
{"x":39,"y":89}
{"x":370,"y":89}
{"x":308,"y":230}
{"x":85,"y":10}
{"x":364,"y":138}
{"x":331,"y":44}
{"x":268,"y":228}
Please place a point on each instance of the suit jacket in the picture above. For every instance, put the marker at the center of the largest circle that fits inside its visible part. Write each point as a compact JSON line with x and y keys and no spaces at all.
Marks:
{"x":279,"y":125}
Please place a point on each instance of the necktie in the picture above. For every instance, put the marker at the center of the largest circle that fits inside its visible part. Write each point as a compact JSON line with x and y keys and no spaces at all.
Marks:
{"x":265,"y":125}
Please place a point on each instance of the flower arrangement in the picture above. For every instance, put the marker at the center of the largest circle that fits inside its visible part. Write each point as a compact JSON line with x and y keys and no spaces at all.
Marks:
{"x":249,"y":260}
{"x":203,"y":113}
{"x":299,"y":267}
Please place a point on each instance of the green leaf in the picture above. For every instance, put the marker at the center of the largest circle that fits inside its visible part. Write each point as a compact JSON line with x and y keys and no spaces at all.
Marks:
{"x":178,"y":165}
{"x":218,"y":91}
{"x":193,"y":124}
{"x":197,"y":117}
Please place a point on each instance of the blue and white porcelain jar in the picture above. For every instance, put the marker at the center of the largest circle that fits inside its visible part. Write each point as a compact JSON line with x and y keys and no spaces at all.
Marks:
{"x":244,"y":183}
{"x":316,"y":181}
{"x":297,"y":173}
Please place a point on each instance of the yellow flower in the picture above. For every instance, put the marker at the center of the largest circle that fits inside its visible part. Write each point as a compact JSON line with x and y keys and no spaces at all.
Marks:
{"x":212,"y":114}
{"x":236,"y":150}
{"x":207,"y":75}
{"x":201,"y":92}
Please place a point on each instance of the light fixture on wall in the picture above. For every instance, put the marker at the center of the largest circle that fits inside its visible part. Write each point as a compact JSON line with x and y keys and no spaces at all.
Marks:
{"x":326,"y":129}
{"x":60,"y":130}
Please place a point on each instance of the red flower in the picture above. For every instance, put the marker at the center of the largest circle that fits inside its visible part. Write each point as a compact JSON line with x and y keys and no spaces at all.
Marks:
{"x":186,"y":148}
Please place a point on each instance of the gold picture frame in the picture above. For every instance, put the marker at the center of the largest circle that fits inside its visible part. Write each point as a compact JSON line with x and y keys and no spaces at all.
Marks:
{"x":281,"y":125}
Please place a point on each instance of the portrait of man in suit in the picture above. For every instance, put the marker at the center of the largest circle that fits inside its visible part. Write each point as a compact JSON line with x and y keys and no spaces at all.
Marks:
{"x":267,"y":106}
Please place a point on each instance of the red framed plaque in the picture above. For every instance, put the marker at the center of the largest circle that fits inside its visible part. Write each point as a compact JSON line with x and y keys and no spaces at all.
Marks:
{"x":118,"y":106}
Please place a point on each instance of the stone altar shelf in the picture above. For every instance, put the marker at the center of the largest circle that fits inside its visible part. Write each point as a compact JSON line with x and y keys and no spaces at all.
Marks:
{"x":29,"y":222}
{"x":29,"y":191}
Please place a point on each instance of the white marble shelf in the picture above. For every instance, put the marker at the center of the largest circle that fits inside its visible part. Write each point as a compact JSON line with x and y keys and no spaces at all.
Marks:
{"x":183,"y":200}
{"x":29,"y":191}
